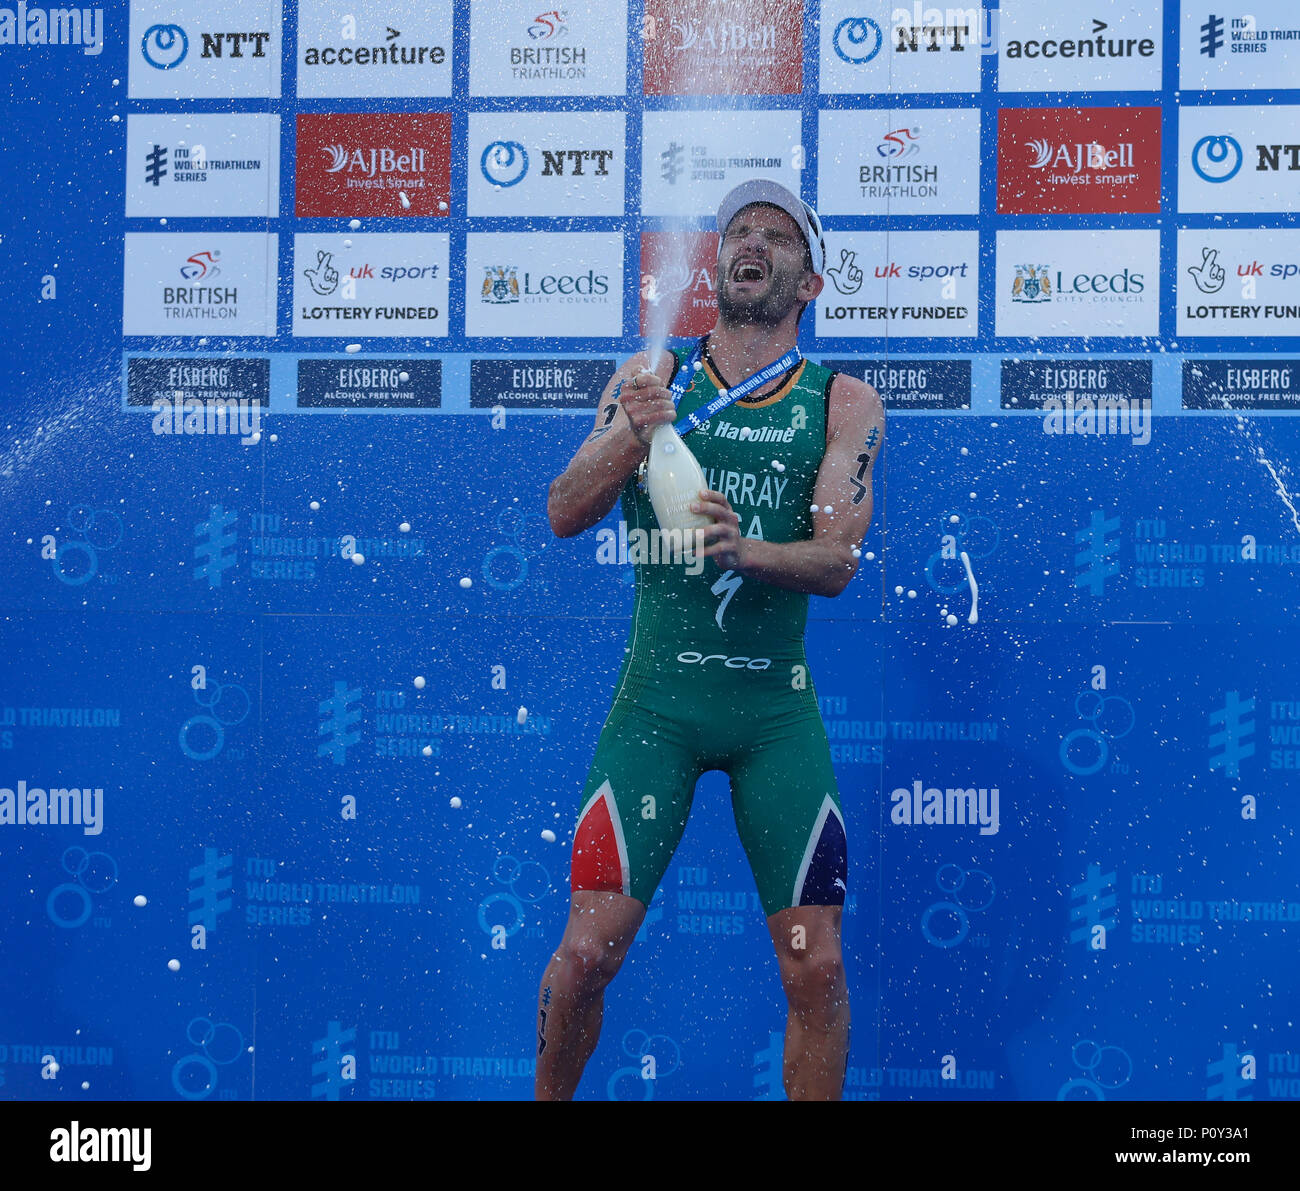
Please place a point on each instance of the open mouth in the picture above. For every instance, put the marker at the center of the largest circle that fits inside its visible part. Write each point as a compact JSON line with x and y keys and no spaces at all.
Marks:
{"x":748,"y":271}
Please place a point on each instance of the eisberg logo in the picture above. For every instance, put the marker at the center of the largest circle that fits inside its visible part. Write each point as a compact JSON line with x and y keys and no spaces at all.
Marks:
{"x":57,"y":26}
{"x":1217,"y":158}
{"x":857,"y":40}
{"x":164,"y":46}
{"x":691,"y":658}
{"x":504,"y":163}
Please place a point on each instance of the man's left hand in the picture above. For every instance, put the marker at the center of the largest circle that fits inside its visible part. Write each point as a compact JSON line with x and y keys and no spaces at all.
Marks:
{"x":722,"y":540}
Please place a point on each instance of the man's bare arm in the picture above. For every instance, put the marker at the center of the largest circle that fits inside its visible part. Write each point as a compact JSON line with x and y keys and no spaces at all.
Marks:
{"x":824,"y":564}
{"x":626,"y":415}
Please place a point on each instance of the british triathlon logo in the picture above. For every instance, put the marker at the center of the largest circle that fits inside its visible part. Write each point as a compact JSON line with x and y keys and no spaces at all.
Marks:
{"x":504,"y":163}
{"x":202,"y":266}
{"x":547,"y":25}
{"x":500,"y":285}
{"x":1032,"y":284}
{"x":164,"y":46}
{"x":903,"y":142}
{"x":857,"y":40}
{"x":1217,"y":158}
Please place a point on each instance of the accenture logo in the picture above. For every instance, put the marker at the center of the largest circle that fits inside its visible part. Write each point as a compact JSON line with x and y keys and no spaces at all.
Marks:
{"x":1096,"y":46}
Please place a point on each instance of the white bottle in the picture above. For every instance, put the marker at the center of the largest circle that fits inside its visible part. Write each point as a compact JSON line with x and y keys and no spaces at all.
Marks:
{"x":673,"y":481}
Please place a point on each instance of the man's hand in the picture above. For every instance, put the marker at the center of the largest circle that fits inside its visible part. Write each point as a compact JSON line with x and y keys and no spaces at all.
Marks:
{"x":648,"y":404}
{"x":722,"y":540}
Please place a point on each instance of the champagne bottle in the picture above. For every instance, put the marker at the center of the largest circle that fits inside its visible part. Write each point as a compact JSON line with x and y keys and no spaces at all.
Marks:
{"x":673,"y":480}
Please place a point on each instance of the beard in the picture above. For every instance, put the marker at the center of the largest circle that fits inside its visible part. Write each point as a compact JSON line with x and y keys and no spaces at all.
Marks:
{"x":768,"y":309}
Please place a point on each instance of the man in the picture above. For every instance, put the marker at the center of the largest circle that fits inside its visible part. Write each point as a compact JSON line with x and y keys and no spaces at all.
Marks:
{"x":715,"y":675}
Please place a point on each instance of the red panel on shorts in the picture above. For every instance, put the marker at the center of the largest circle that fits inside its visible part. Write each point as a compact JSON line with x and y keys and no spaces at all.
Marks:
{"x":595,"y":852}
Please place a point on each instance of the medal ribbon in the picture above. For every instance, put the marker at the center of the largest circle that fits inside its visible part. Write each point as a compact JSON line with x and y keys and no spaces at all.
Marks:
{"x":686,"y":376}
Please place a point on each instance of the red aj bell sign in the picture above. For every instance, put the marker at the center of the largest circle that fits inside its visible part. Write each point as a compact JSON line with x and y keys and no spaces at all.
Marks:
{"x":373,"y":163}
{"x":719,"y":47}
{"x":1078,"y":161}
{"x":679,"y":276}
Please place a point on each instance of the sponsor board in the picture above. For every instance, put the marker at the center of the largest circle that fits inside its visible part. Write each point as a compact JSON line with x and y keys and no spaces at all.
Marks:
{"x":382,"y":284}
{"x":198,"y":378}
{"x":539,"y":383}
{"x":716,"y":47}
{"x":1036,"y":384}
{"x":1238,"y":159}
{"x":1240,"y":45}
{"x":865,"y":49}
{"x":546,"y":163}
{"x":688,"y":165}
{"x":900,"y":284}
{"x":403,"y":50}
{"x":522,"y":48}
{"x":198,"y":164}
{"x":909,"y":161}
{"x":1242,"y":383}
{"x":1238,"y":282}
{"x":561,"y":284}
{"x":373,"y":163}
{"x":909,"y":382}
{"x":1078,"y":161}
{"x":219,"y":49}
{"x":199,"y":283}
{"x":1078,"y":283}
{"x":1062,"y":45}
{"x":360,"y":382}
{"x":679,"y":272}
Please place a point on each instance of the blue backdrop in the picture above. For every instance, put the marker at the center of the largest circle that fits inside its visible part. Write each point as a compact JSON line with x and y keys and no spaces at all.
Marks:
{"x":183,"y":631}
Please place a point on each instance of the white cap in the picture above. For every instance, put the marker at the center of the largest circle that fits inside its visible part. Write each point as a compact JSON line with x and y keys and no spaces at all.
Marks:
{"x":761,"y":190}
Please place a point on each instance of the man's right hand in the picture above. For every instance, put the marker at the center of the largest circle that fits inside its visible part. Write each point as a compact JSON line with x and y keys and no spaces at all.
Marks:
{"x":648,"y":404}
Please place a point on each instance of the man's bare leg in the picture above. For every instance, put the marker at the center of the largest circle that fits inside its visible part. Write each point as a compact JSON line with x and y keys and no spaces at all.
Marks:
{"x":571,"y":999}
{"x":807,"y":942}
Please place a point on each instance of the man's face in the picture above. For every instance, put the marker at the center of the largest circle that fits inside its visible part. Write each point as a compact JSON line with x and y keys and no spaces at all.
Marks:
{"x":763,"y":261}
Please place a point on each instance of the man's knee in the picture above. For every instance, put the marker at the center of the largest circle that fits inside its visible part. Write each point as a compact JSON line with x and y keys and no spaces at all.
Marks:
{"x":814,"y":979}
{"x":591,"y":961}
